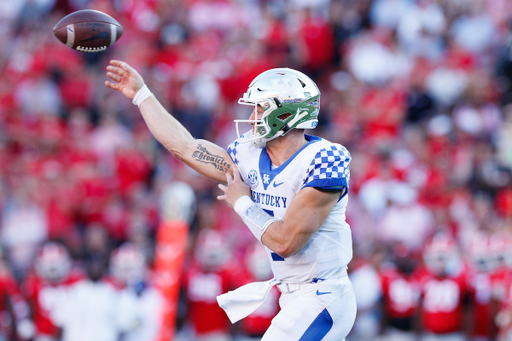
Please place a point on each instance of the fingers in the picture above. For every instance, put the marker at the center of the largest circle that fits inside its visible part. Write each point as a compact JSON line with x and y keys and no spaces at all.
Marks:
{"x":224,"y":189}
{"x":112,"y":85}
{"x":114,"y":77}
{"x":122,"y":65}
{"x":229,"y":178}
{"x":118,"y":63}
{"x":116,"y":70}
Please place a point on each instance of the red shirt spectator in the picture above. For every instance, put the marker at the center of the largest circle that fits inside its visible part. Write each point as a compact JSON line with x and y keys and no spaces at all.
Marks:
{"x":202,"y":288}
{"x":443,"y":299}
{"x":401,"y":294}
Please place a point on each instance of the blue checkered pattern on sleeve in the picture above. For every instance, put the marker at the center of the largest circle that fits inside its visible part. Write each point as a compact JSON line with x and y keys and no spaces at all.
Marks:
{"x":232,"y":151}
{"x":329,"y":169}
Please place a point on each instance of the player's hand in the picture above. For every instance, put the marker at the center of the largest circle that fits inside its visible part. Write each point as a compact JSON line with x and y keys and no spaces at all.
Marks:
{"x":235,"y":188}
{"x":126,"y":79}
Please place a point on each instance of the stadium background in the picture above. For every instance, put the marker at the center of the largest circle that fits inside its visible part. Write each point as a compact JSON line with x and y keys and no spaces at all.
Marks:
{"x":420,"y":92}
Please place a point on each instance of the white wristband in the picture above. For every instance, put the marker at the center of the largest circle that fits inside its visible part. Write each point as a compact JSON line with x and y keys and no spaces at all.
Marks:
{"x":256,"y":219}
{"x":141,"y":95}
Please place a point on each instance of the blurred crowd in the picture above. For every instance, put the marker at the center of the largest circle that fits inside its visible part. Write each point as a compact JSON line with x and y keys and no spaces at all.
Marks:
{"x":419,"y":91}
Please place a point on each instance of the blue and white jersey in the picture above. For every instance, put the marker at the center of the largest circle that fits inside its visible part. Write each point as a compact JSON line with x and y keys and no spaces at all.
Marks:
{"x":320,"y":164}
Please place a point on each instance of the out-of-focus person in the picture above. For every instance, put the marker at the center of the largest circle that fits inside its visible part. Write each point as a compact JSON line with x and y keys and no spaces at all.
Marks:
{"x":129,"y":270}
{"x":364,"y":274}
{"x":45,"y":287}
{"x":401,"y":294}
{"x":211,"y":272}
{"x":444,"y":292}
{"x":23,"y":226}
{"x":482,"y":264}
{"x":406,"y":219}
{"x":93,"y":309}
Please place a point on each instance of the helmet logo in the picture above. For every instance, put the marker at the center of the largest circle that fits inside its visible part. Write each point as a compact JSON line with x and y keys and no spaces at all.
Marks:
{"x":253,"y":179}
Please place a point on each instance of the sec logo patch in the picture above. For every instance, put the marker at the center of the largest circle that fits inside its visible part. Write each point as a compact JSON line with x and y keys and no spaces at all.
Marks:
{"x":253,"y":179}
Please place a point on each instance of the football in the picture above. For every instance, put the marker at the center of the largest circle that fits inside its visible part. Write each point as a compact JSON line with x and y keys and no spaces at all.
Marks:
{"x":88,"y":30}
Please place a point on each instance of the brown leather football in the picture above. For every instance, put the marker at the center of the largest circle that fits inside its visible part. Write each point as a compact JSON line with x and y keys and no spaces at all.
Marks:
{"x":88,"y":30}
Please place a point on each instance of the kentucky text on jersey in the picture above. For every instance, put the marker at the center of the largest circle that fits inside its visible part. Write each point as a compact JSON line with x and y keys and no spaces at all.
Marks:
{"x":269,"y":200}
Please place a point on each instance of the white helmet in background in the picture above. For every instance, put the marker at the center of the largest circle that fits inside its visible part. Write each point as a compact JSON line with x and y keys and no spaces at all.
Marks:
{"x":53,"y":261}
{"x":442,"y":255}
{"x":128,"y":264}
{"x":212,"y":250}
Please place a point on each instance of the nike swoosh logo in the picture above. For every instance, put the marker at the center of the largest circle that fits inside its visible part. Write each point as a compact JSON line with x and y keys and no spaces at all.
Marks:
{"x":103,"y":35}
{"x":279,"y":184}
{"x":322,"y":292}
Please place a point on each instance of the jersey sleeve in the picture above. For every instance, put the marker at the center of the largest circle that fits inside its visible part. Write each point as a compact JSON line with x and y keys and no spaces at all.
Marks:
{"x":329,"y":169}
{"x":233,"y":151}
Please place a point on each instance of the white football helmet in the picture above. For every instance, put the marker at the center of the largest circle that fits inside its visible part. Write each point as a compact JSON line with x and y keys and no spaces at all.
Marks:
{"x":53,"y":261}
{"x":442,"y":255}
{"x":212,"y":249}
{"x":289,"y":98}
{"x":128,"y":264}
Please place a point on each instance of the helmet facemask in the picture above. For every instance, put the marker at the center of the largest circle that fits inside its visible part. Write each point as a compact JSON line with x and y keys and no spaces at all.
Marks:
{"x":289,"y":99}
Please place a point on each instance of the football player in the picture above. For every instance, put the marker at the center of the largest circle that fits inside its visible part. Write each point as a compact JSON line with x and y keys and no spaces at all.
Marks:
{"x":209,"y":273}
{"x":401,"y":293}
{"x":45,"y":287}
{"x":289,"y":188}
{"x":482,"y":263}
{"x":444,"y":291}
{"x":131,"y":275}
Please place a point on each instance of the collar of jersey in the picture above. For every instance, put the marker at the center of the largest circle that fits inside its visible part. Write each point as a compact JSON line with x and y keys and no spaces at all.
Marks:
{"x":265,"y":164}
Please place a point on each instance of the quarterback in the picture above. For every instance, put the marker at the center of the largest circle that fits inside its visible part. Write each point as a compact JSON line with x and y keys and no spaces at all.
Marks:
{"x":289,"y":188}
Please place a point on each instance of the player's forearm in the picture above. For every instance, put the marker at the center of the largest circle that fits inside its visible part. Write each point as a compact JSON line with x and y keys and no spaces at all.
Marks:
{"x":203,"y":156}
{"x":270,"y":231}
{"x":306,"y":214}
{"x":284,"y":240}
{"x":165,"y":128}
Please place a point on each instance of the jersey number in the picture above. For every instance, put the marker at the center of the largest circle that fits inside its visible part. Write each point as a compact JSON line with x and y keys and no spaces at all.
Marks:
{"x":442,"y":296}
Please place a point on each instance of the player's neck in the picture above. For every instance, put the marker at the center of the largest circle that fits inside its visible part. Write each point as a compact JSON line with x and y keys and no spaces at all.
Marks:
{"x":283,"y":148}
